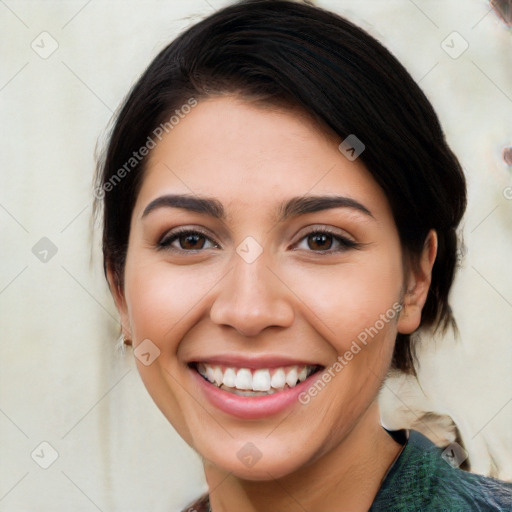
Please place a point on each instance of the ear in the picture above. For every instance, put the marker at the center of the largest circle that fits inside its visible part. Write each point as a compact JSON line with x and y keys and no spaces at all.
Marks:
{"x":417,"y":284}
{"x":120,"y":302}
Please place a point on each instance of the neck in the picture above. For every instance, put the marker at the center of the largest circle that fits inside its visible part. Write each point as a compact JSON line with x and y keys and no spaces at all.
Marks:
{"x":344,"y":479}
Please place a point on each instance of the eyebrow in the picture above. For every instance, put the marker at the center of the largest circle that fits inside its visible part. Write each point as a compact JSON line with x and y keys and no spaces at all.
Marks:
{"x":290,"y":208}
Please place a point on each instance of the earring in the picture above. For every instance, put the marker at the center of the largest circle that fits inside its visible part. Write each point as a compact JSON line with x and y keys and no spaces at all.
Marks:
{"x":121,"y":344}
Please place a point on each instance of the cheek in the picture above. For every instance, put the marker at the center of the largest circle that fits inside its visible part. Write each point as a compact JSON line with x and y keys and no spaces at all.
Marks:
{"x":162,"y":298}
{"x":164,"y":301}
{"x":345,"y":300}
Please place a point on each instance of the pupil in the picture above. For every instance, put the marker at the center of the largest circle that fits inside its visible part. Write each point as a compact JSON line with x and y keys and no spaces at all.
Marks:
{"x":323,"y":241}
{"x":190,"y":241}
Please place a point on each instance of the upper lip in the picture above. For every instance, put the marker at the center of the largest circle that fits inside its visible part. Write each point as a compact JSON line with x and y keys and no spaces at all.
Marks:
{"x":253,"y":362}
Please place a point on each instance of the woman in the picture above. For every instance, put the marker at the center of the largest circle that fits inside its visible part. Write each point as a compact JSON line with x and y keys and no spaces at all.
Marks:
{"x":280,"y":213}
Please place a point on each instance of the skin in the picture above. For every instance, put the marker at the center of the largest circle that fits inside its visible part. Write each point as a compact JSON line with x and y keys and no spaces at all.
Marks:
{"x":296,"y":298}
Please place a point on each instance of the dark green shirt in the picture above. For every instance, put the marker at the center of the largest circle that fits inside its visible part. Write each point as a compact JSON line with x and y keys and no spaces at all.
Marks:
{"x":420,"y":480}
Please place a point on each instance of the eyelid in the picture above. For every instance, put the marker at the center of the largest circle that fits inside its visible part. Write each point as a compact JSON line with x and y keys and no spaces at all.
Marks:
{"x":172,"y":234}
{"x":346,"y":241}
{"x":322,"y":228}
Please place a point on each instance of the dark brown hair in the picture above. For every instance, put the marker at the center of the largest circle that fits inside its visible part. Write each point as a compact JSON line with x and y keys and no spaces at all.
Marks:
{"x":281,"y":52}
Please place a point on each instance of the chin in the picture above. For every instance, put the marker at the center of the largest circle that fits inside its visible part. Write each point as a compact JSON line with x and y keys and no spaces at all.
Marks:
{"x":260,"y":461}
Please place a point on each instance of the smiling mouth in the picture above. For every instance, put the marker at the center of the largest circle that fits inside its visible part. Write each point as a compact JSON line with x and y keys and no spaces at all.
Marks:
{"x":255,"y":382}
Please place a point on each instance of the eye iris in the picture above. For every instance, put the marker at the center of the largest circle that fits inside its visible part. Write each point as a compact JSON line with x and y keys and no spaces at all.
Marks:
{"x":321,"y":240}
{"x":190,"y":241}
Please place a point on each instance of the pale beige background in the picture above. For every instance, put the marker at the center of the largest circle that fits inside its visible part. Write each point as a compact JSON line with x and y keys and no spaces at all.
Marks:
{"x":61,"y":380}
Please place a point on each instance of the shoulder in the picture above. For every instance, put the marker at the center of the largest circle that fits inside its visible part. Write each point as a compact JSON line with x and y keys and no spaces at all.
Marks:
{"x":422,"y":480}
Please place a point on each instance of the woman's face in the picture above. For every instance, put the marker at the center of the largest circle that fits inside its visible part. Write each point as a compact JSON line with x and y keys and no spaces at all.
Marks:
{"x":292,"y":261}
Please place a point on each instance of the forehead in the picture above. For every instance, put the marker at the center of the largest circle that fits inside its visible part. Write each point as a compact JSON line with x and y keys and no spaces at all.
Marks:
{"x":249,"y":157}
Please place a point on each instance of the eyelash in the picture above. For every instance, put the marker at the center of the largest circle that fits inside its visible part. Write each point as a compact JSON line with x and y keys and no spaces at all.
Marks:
{"x":169,"y":238}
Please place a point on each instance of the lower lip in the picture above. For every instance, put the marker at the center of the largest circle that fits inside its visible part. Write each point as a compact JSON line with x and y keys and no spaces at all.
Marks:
{"x":251,"y":407}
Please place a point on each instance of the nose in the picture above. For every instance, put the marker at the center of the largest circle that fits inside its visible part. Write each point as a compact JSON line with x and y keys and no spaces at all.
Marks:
{"x":252,"y":297}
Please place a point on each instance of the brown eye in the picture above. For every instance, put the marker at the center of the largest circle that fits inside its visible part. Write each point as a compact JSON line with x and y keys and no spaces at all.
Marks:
{"x":320,"y":241}
{"x":324,"y":241}
{"x":186,"y":240}
{"x":191,"y":241}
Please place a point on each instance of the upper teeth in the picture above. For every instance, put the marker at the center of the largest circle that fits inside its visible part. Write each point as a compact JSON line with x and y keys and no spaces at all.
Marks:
{"x":263,"y":379}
